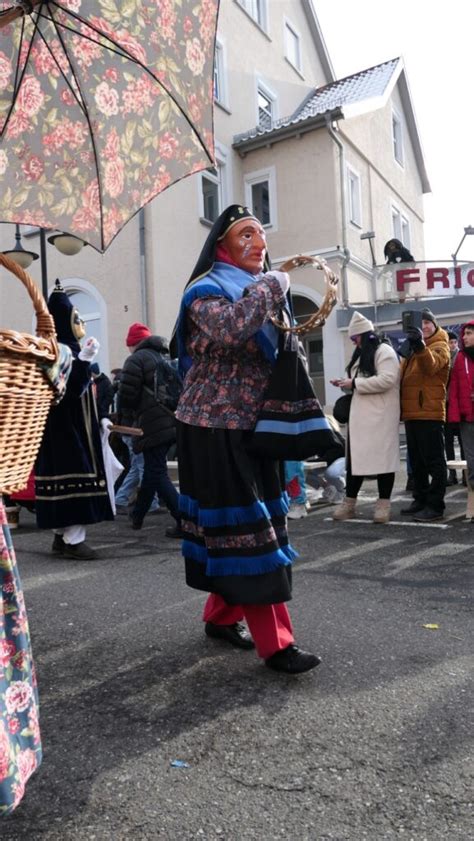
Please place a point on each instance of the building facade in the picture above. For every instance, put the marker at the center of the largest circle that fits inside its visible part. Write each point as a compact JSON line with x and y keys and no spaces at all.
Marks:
{"x":321,"y":161}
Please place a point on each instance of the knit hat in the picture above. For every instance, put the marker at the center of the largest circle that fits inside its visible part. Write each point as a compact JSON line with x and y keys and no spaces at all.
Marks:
{"x":452,"y":335}
{"x":136,"y":333}
{"x":427,"y":315}
{"x":359,"y":324}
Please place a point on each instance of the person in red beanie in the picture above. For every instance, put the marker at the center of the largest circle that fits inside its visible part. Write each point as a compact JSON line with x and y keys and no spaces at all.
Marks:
{"x":148,"y":366}
{"x":136,"y":333}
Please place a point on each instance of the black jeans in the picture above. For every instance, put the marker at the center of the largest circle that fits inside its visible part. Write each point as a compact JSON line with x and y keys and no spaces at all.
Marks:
{"x":156,"y":480}
{"x":425,"y":442}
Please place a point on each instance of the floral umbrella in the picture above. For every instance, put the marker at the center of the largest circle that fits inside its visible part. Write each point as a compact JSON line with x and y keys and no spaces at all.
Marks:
{"x":103,"y":104}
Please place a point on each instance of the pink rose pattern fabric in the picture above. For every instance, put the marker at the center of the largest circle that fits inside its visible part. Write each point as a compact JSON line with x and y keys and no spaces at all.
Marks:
{"x":95,"y":133}
{"x":20,"y":739}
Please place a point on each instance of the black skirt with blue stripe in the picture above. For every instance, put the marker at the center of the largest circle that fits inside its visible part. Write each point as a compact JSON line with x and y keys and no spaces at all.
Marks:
{"x":233,"y":507}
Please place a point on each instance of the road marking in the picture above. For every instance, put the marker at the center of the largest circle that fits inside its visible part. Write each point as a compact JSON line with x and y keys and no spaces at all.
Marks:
{"x":393,"y":523}
{"x":350,"y":552}
{"x":55,"y":578}
{"x":442,"y":549}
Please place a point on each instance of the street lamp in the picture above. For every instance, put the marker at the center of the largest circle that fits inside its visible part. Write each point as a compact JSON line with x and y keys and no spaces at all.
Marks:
{"x":468,"y":231}
{"x":19,"y":254}
{"x":65,"y":243}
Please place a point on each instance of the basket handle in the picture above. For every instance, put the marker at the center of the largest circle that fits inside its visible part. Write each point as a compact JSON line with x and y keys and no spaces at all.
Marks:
{"x":44,"y":320}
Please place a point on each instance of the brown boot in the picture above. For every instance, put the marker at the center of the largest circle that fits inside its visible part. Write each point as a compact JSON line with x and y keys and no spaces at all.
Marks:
{"x":346,"y":510}
{"x":382,"y":511}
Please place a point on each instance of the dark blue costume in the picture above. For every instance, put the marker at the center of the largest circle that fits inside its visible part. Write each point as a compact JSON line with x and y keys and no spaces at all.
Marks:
{"x":70,"y":481}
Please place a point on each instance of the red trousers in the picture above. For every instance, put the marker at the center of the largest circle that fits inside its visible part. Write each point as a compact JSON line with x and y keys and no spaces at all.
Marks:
{"x":269,"y":624}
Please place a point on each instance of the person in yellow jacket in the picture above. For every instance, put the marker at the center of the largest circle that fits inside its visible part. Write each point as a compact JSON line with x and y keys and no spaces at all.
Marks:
{"x":424,"y":377}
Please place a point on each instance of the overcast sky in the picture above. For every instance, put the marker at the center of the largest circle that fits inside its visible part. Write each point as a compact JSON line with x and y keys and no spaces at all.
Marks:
{"x":436,"y":42}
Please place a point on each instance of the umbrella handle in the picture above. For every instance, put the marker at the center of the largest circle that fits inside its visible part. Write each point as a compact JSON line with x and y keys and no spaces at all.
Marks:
{"x":23,"y":7}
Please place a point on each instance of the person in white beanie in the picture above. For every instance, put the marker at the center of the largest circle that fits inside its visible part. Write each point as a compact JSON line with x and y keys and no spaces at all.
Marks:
{"x":372,"y":448}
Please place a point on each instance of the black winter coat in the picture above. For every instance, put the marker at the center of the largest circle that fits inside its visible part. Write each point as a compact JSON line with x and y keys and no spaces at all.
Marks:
{"x":136,"y":404}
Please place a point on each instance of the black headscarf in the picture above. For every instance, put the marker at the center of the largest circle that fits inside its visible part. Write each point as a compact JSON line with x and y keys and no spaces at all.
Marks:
{"x":229,"y":217}
{"x":399,"y":254}
{"x":62,"y":309}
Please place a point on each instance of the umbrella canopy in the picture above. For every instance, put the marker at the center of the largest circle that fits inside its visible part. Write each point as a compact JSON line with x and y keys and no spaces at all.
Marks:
{"x":102,"y":106}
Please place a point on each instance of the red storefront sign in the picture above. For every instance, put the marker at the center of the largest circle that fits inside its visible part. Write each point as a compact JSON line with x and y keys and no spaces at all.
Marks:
{"x":435,"y":277}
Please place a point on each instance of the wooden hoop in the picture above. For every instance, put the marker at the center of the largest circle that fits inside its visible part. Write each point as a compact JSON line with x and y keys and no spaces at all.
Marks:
{"x":330,"y":296}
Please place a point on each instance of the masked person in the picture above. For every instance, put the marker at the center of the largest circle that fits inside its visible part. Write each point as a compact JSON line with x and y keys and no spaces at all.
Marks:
{"x":70,"y":482}
{"x":233,"y":505}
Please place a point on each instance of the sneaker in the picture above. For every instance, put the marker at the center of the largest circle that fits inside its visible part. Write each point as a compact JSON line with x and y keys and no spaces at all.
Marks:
{"x":297,"y":511}
{"x":292,"y":660}
{"x":79,"y":551}
{"x":428,"y":515}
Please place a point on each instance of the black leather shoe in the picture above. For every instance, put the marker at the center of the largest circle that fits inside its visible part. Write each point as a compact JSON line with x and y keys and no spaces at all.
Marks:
{"x":292,"y":660}
{"x":58,"y":545}
{"x":413,"y":508}
{"x":236,"y":634}
{"x":429,"y":515}
{"x":175,"y":531}
{"x":79,"y":551}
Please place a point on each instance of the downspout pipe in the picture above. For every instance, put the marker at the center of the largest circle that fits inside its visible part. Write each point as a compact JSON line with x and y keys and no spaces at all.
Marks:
{"x":142,"y":250}
{"x":342,"y":179}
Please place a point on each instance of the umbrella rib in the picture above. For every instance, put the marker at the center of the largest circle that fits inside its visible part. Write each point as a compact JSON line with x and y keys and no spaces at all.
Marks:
{"x":78,"y":98}
{"x":19,"y":80}
{"x":126,"y":54}
{"x":91,"y":133}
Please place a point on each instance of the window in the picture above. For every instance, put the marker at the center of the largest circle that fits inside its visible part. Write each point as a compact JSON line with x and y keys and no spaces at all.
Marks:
{"x":260,"y":203}
{"x":266,"y":106}
{"x":220,"y":86}
{"x":401,"y":227}
{"x":256,"y":9}
{"x":214,"y":186}
{"x":260,"y":196}
{"x":354,"y":194}
{"x":292,"y":46}
{"x":211,"y":194}
{"x":397,"y":137}
{"x":315,"y":357}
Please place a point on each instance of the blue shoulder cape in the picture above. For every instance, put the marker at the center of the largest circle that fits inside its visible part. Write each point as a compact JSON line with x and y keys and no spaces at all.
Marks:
{"x":228,"y":282}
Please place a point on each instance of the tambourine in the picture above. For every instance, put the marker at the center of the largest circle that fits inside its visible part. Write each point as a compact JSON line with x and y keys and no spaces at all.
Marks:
{"x":329,"y":300}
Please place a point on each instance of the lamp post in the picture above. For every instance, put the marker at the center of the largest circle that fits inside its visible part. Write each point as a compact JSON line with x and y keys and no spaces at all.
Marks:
{"x":64,"y":243}
{"x":468,"y":231}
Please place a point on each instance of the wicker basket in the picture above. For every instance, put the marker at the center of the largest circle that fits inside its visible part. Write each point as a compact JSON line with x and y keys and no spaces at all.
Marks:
{"x":25,"y":392}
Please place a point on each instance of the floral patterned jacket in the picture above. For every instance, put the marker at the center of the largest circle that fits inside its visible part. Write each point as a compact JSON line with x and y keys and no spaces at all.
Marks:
{"x":229,"y":374}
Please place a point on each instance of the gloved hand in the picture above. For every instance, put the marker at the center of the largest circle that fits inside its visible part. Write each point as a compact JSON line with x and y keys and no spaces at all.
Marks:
{"x":415,"y":337}
{"x":105,"y":423}
{"x":89,"y":350}
{"x":282,"y":277}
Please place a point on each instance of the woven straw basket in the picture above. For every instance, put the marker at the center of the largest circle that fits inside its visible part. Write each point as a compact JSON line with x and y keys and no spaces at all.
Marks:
{"x":25,"y":392}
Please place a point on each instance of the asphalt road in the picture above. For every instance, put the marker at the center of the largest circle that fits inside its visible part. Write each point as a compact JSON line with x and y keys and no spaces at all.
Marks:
{"x":374,"y":744}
